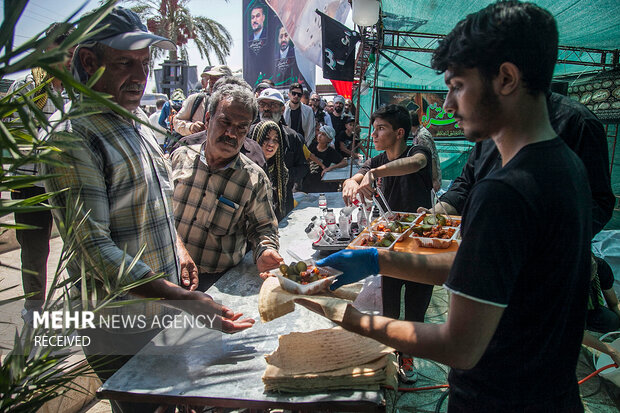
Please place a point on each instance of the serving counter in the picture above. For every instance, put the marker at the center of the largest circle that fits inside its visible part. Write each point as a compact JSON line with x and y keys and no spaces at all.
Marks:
{"x":205,"y":367}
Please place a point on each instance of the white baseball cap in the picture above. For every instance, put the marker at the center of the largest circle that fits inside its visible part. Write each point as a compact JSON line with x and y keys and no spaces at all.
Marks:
{"x":271,"y":94}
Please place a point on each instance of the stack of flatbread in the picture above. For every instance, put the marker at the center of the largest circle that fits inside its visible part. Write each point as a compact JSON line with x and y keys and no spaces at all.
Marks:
{"x":329,"y":359}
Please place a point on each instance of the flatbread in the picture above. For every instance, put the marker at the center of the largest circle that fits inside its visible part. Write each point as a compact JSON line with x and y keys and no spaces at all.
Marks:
{"x":329,"y":359}
{"x":324,"y":350}
{"x":367,"y":376}
{"x":274,"y":302}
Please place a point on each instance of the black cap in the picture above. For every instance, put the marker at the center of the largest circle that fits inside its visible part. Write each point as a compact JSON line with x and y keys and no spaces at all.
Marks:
{"x":122,"y":29}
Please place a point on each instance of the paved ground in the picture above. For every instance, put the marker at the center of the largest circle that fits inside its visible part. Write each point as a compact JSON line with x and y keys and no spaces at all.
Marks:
{"x":598,"y":395}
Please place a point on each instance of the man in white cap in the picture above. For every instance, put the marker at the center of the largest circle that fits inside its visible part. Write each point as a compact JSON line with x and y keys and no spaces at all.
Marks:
{"x":271,"y":107}
{"x":117,"y":170}
{"x":190,"y":118}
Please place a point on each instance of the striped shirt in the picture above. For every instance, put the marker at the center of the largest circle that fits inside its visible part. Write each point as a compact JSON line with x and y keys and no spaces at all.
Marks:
{"x":118,"y":171}
{"x":218,"y":212}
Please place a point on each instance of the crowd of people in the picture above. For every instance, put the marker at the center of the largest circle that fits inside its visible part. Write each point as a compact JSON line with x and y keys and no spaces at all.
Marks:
{"x":216,"y":174}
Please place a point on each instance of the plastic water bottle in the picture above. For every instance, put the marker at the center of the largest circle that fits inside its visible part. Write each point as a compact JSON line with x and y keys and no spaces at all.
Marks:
{"x":330,"y":219}
{"x":344,"y":221}
{"x":361,"y":219}
{"x":322,"y":202}
{"x":313,"y":232}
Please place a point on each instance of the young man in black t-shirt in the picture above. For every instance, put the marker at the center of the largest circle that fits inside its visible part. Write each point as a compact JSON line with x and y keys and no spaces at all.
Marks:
{"x":406,"y":192}
{"x":345,"y":140}
{"x":519,"y":280}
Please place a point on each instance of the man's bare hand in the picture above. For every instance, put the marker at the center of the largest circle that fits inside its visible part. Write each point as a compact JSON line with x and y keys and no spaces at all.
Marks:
{"x":196,"y":127}
{"x":224,"y":318}
{"x":366,"y":187}
{"x":269,"y":260}
{"x":189,"y":271}
{"x":349,"y":191}
{"x":265,"y":274}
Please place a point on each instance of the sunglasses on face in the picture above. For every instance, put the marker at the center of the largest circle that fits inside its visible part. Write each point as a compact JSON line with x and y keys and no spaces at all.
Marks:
{"x":296,"y":94}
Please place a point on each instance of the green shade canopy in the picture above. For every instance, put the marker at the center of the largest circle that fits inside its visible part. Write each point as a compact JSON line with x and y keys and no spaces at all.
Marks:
{"x":593,"y":24}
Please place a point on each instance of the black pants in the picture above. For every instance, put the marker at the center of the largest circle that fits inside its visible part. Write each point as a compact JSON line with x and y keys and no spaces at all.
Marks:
{"x":417,"y":298}
{"x":35,"y":248}
{"x":602,"y":319}
{"x":460,"y":402}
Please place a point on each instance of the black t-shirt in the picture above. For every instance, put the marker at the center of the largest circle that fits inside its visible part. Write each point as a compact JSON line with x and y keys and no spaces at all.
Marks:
{"x":526,"y":247}
{"x":313,"y":182}
{"x":580,"y":130}
{"x":408,"y":192}
{"x":338,"y":122}
{"x":296,"y":121}
{"x":328,"y":156}
{"x":346,"y":139}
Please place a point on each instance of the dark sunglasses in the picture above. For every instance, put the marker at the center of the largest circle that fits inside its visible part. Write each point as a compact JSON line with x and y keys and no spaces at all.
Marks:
{"x":296,"y":93}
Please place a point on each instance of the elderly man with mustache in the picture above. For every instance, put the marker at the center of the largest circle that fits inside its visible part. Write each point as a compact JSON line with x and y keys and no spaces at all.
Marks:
{"x":222,"y":200}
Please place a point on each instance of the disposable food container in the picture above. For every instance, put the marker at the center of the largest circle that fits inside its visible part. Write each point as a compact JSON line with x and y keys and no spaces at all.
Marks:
{"x":449,"y":232}
{"x":311,"y":288}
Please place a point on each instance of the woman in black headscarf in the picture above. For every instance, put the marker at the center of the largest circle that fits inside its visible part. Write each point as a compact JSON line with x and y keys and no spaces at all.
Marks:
{"x":267,"y":134}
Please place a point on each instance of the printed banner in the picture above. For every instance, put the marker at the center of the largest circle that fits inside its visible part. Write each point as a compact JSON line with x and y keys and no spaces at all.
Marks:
{"x":304,"y":25}
{"x":269,"y":52}
{"x":338,"y":49}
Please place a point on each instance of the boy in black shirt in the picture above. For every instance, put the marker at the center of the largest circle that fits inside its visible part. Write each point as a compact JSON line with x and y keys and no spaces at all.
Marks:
{"x":345,"y":140}
{"x":407,"y":192}
{"x":519,"y":280}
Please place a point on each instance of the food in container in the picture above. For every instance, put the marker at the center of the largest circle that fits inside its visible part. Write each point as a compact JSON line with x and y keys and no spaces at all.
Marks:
{"x":303,"y":277}
{"x":384,"y":240}
{"x":399,"y":222}
{"x":435,"y":231}
{"x":392,"y":226}
{"x":438,"y":219}
{"x":404,"y":217}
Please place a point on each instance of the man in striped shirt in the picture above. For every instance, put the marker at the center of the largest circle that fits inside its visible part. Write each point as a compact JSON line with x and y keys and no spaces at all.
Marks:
{"x":222,"y":200}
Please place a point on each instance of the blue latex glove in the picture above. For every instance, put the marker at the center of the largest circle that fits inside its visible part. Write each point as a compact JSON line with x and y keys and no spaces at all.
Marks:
{"x":354,"y":264}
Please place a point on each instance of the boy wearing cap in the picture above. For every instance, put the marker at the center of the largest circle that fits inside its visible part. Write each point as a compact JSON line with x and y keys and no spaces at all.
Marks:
{"x":190,"y":118}
{"x":118,"y":172}
{"x":328,"y":159}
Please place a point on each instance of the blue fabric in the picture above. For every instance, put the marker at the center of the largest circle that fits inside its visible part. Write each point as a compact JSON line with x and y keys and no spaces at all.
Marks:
{"x":163,"y":116}
{"x":354,"y":264}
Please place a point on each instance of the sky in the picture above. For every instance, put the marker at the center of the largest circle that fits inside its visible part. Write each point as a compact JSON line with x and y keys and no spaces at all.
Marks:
{"x":41,"y":13}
